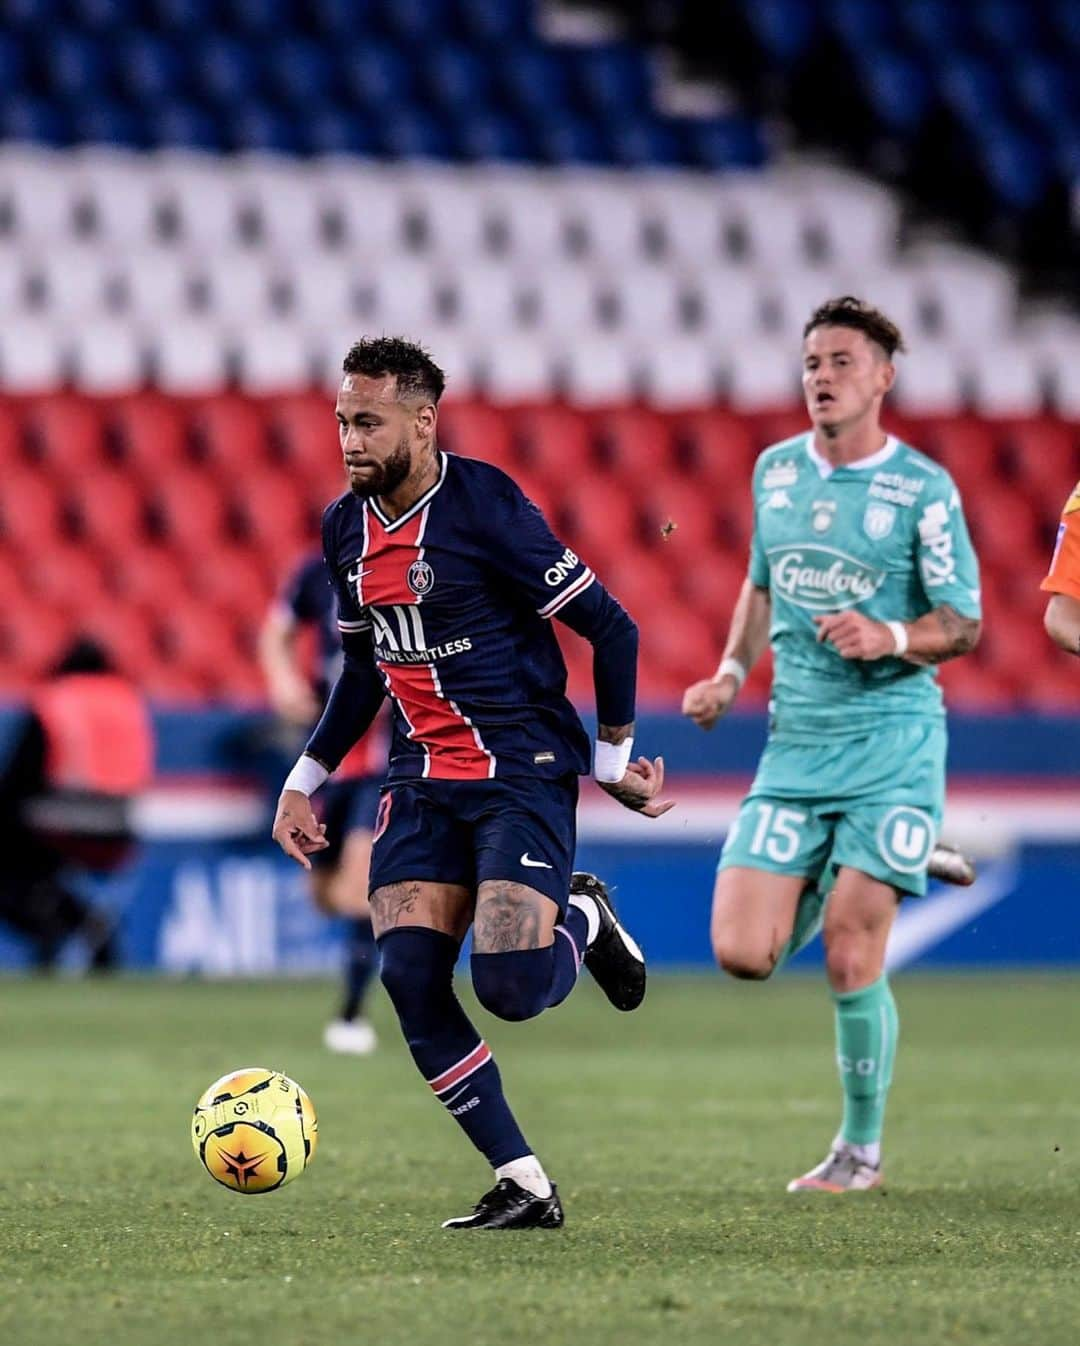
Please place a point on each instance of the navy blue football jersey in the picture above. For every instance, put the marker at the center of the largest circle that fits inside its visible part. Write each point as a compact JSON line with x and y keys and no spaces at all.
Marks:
{"x":457,"y":596}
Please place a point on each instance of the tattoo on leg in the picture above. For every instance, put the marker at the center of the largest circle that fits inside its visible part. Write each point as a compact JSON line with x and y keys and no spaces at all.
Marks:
{"x":390,"y":904}
{"x":507,"y":918}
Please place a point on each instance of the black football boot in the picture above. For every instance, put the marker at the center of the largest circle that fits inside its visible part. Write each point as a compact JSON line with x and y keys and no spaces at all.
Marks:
{"x":509,"y":1206}
{"x":613,"y":958}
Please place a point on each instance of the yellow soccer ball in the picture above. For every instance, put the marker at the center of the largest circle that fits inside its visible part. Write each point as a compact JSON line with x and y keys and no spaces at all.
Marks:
{"x":254,"y":1130}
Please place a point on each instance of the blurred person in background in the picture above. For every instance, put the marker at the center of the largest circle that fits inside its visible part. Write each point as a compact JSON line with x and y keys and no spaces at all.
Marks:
{"x":1062,"y":616}
{"x":82,"y":755}
{"x":862,"y":578}
{"x":349,"y":802}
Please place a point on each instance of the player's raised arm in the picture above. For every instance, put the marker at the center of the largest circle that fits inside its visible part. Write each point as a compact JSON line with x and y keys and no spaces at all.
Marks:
{"x":706,"y":701}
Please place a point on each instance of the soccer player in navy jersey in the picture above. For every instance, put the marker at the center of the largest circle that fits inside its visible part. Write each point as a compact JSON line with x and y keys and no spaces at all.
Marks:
{"x":447,"y":578}
{"x":348,"y":803}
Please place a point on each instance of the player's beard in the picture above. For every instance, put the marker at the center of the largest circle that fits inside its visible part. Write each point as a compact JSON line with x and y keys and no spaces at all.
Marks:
{"x":386,"y":476}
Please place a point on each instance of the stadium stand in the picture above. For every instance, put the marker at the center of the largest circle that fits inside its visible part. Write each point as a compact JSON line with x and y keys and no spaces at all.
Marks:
{"x":202,"y":206}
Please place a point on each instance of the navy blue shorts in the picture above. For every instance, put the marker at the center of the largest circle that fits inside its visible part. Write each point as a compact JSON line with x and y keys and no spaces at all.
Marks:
{"x":345,"y":806}
{"x":468,"y":831}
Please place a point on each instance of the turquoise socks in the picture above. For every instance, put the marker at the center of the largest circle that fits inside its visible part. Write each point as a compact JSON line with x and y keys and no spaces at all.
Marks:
{"x":867,"y":1027}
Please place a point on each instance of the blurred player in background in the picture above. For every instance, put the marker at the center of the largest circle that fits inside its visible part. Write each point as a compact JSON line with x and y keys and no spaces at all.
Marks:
{"x":862,"y":578}
{"x":348,"y":803}
{"x":447,"y":578}
{"x":84,"y":752}
{"x":1062,"y":618}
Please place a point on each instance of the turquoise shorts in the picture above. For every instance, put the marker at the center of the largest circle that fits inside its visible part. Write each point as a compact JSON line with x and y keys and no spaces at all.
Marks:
{"x":873,"y":804}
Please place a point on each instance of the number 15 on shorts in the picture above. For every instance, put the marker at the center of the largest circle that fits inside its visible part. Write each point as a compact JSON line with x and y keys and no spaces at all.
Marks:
{"x":777,"y":833}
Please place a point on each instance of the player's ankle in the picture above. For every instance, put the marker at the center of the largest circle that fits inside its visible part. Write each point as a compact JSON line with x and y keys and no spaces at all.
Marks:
{"x":586,"y":904}
{"x":528,"y":1173}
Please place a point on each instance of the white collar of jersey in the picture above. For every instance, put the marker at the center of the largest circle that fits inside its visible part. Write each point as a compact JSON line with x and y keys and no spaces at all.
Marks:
{"x":390,"y":524}
{"x":826,"y":469}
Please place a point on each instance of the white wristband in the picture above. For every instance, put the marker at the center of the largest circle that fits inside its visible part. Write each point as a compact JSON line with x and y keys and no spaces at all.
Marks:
{"x":732,"y":668}
{"x":899,"y":634}
{"x":306,"y":776}
{"x":611,"y":760}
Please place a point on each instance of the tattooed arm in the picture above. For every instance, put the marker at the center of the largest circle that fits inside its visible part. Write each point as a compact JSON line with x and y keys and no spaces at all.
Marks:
{"x":642,"y":780}
{"x":941,"y":634}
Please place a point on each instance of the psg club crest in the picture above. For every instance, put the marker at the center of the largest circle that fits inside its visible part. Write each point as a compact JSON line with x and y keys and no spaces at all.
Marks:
{"x":421,"y":578}
{"x":878,"y":521}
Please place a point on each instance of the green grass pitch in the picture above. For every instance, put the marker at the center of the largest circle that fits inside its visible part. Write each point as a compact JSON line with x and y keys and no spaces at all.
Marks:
{"x":671,"y":1133}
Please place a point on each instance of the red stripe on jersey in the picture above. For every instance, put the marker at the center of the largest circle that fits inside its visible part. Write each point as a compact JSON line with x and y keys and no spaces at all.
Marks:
{"x":387,"y":558}
{"x":454,"y":748}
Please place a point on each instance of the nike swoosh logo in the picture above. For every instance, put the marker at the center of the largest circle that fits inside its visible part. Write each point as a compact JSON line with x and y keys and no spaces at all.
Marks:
{"x":355,"y":575}
{"x":534,"y":864}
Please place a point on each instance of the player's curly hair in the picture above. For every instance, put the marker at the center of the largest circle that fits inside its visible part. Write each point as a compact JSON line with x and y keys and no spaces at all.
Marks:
{"x":416,"y":372}
{"x":847,"y":311}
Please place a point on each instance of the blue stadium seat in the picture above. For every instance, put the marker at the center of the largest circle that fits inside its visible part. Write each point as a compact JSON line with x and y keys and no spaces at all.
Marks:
{"x":614,"y":80}
{"x":12,"y":62}
{"x":104,"y":14}
{"x":37,"y":119}
{"x":785,"y":28}
{"x":150,"y":68}
{"x":258,"y":16}
{"x":936,"y":26}
{"x":572,"y":140}
{"x":535,"y":79}
{"x":974,"y":89}
{"x":37,"y":14}
{"x":339,"y":130}
{"x":727,"y":142}
{"x":187,"y":126}
{"x":191,"y":16}
{"x":97,"y":122}
{"x":1067,"y":23}
{"x":639,"y":141}
{"x":258,"y":126}
{"x":1016,"y":165}
{"x":377,"y":75}
{"x":496,"y":136}
{"x":226,"y":70}
{"x":1012,"y":25}
{"x":863,"y":24}
{"x":457,"y":77}
{"x":341,"y":19}
{"x":497,"y":21}
{"x":1047,"y":90}
{"x":418,"y":21}
{"x":300,"y":72}
{"x":410,"y":133}
{"x":76,"y":66}
{"x":898,"y":89}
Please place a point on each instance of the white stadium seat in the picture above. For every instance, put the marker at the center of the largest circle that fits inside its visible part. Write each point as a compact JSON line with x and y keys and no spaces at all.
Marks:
{"x":516,"y":369}
{"x":33,"y":355}
{"x":685,"y":209}
{"x":761,"y":375}
{"x":1008,"y":378}
{"x":930,"y":380}
{"x":279,"y":196}
{"x":773,"y":222}
{"x":608,"y":216}
{"x":447,"y":210}
{"x":730,"y":300}
{"x":405,"y":297}
{"x":529,"y":213}
{"x":366,"y":201}
{"x":107,"y":357}
{"x":974,"y":297}
{"x":238,"y":283}
{"x":679,"y":373}
{"x":795,"y":294}
{"x":39,"y":190}
{"x":122,"y":198}
{"x":857,"y":221}
{"x":200,"y":193}
{"x":648,"y":300}
{"x":156,"y":282}
{"x":487,"y":296}
{"x":598,"y":371}
{"x":566,"y":298}
{"x":14,"y":278}
{"x":190,"y":357}
{"x":273,"y":357}
{"x":323,"y":287}
{"x":1064,"y":367}
{"x":75,"y":280}
{"x":901,"y":292}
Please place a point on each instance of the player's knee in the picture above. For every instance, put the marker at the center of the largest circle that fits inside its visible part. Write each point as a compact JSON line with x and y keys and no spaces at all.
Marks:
{"x":416,"y":967}
{"x":851,"y":962}
{"x":742,"y":958}
{"x":510,"y":986}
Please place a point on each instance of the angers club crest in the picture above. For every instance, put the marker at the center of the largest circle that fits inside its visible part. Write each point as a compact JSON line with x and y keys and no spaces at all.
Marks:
{"x":421,"y":578}
{"x":878,"y":521}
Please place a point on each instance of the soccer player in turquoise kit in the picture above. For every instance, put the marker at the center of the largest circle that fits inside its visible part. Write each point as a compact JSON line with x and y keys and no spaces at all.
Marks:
{"x":862,"y":578}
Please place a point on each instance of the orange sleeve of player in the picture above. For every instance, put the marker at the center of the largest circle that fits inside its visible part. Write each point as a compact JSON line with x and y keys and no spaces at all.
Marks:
{"x":1064,"y":576}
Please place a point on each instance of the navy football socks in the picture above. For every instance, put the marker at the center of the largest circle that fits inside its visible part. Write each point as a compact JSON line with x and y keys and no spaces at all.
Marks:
{"x":519,"y":984}
{"x":359,"y":966}
{"x":417,"y":969}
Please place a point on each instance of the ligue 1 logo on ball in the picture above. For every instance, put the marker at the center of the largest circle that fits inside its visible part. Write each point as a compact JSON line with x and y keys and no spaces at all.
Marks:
{"x":420,"y":578}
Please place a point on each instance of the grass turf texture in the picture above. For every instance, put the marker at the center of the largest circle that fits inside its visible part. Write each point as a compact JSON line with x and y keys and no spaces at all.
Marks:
{"x":670,"y":1132}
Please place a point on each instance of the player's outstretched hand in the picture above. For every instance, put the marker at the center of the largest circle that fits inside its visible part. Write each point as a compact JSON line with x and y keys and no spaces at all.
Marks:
{"x":296,"y":829}
{"x":855,"y":636}
{"x":641,"y":783}
{"x":705,"y":702}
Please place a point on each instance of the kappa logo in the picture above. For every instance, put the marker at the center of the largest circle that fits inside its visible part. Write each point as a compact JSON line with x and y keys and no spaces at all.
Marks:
{"x":778,"y":500}
{"x":878,"y":521}
{"x":420,"y":578}
{"x":822,"y":579}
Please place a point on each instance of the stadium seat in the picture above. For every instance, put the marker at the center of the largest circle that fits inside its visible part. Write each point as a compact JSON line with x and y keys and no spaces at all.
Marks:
{"x":108,"y":509}
{"x":66,"y":435}
{"x":679,"y":516}
{"x":1046,"y":458}
{"x":274,"y":357}
{"x":199,"y":639}
{"x":607,"y":220}
{"x":30,"y":512}
{"x":516,"y":371}
{"x":235,"y":580}
{"x":528,"y":218}
{"x":648,"y":299}
{"x":598,"y":516}
{"x":125,"y":632}
{"x":712,"y":588}
{"x":637,"y":447}
{"x":271,"y":513}
{"x":721,"y":449}
{"x":230,"y":434}
{"x":554,"y":442}
{"x":108,"y":357}
{"x":65,"y":577}
{"x":487,"y":298}
{"x":729,"y":303}
{"x":32,"y":638}
{"x":477,"y":431}
{"x":761,"y":374}
{"x":679,"y":373}
{"x":599,"y":370}
{"x":150,"y":432}
{"x":189,"y":510}
{"x":189,"y":357}
{"x":200,"y":199}
{"x":148,"y":578}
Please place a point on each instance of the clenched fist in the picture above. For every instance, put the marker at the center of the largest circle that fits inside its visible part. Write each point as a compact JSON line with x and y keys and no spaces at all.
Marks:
{"x":705,"y":702}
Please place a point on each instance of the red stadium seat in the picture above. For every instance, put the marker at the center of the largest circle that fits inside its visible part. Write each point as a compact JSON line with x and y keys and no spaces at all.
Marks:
{"x":32,"y":638}
{"x":681,"y":643}
{"x":967,"y":448}
{"x":598,"y":517}
{"x":235,"y":580}
{"x":304,"y":431}
{"x":476,"y":430}
{"x":679,"y":515}
{"x":11,"y":434}
{"x":232,"y":436}
{"x":772,"y":427}
{"x":273,"y":513}
{"x":639,"y":583}
{"x":711,"y":588}
{"x":198,"y":639}
{"x":721,"y":447}
{"x":109,"y":509}
{"x":31,"y":516}
{"x":67,"y":433}
{"x":190,"y":510}
{"x":149,"y":578}
{"x":1003,"y":523}
{"x":66,"y":577}
{"x":970,"y":686}
{"x":151,"y":432}
{"x":125,"y":632}
{"x":553,"y":442}
{"x":638,"y":446}
{"x":1046,"y":457}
